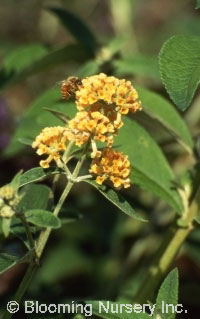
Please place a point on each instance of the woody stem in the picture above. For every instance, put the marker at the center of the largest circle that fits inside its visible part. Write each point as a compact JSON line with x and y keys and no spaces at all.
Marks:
{"x":167,"y":252}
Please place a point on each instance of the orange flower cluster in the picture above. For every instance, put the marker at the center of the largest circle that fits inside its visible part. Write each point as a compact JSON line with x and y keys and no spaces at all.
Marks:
{"x":113,"y":166}
{"x":118,"y":93}
{"x":94,"y":126}
{"x":101,"y":101}
{"x":51,"y":141}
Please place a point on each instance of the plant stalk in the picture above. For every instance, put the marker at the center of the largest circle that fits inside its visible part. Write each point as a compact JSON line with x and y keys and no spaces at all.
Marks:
{"x":167,"y":252}
{"x":29,"y":237}
{"x":46,"y":233}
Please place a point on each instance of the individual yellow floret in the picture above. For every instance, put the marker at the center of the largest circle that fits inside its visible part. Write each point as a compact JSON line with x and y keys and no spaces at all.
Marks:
{"x":51,"y":141}
{"x":113,"y":166}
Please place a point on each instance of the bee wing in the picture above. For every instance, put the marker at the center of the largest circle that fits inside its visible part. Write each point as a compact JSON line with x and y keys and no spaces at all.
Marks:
{"x":59,"y":83}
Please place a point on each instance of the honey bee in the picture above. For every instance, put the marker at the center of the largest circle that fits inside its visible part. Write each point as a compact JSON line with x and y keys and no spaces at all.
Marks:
{"x":70,"y":86}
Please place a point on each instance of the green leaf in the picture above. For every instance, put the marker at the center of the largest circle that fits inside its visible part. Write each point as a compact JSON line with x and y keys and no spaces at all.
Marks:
{"x":35,"y":197}
{"x":15,"y":183}
{"x":89,"y":68}
{"x":20,"y":59}
{"x":197,"y":4}
{"x":35,"y":58}
{"x":42,"y":218}
{"x":46,"y":119}
{"x":117,"y":199}
{"x":25,"y":141}
{"x":150,"y":169}
{"x":41,"y":118}
{"x":5,"y":225}
{"x":180,"y":68}
{"x":7,"y":262}
{"x":112,"y":310}
{"x":168,"y":293}
{"x":37,"y":174}
{"x":77,"y":28}
{"x":160,"y":109}
{"x":18,"y":230}
{"x":60,"y":115}
{"x":197,"y":219}
{"x":138,"y":65}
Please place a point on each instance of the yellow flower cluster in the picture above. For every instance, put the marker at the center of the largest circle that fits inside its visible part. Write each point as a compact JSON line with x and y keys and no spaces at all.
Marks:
{"x":7,"y":192}
{"x":101,"y":101}
{"x":51,"y":141}
{"x":91,"y":125}
{"x":113,"y":166}
{"x":118,"y":93}
{"x":8,"y":201}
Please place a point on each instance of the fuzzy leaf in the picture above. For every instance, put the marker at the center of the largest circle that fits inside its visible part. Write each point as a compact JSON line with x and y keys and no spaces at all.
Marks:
{"x":35,"y":197}
{"x":37,"y":174}
{"x":168,"y":293}
{"x":150,"y":169}
{"x":156,"y":107}
{"x":42,"y":218}
{"x":180,"y":68}
{"x":32,"y":59}
{"x":117,"y":199}
{"x":15,"y":183}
